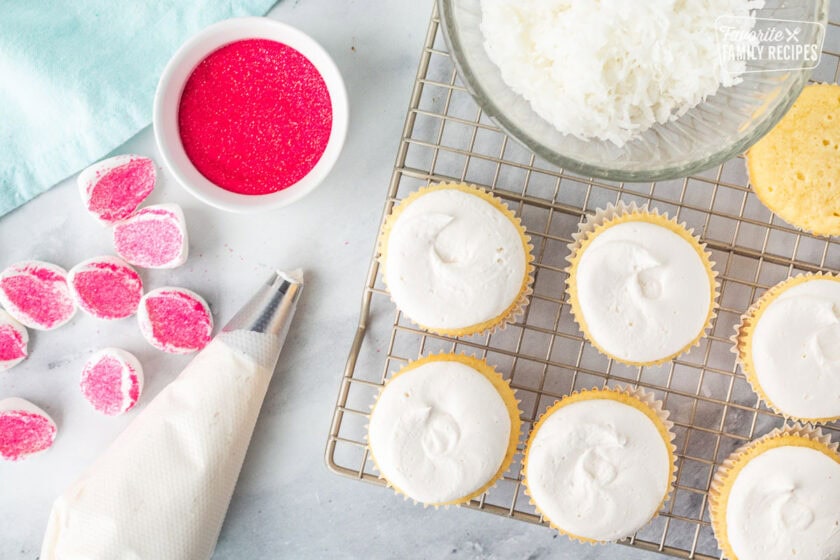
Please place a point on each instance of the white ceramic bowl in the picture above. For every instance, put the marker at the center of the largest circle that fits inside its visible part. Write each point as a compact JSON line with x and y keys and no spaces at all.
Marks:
{"x":168,"y":98}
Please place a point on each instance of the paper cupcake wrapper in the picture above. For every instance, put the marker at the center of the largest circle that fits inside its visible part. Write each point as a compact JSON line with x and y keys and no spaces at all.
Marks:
{"x":504,"y":390}
{"x":742,"y":339}
{"x":803,"y":435}
{"x":516,"y":309}
{"x":639,"y":399}
{"x":623,"y":212}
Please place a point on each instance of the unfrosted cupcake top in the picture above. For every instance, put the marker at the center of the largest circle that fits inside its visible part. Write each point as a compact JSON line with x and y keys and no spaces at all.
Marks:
{"x":796,"y":349}
{"x":794,"y":169}
{"x":453,"y":260}
{"x":598,"y":469}
{"x":783,"y":505}
{"x":643,"y":291}
{"x":440,"y":431}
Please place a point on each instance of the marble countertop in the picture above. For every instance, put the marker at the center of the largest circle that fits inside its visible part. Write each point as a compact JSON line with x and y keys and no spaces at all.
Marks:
{"x":287,"y":504}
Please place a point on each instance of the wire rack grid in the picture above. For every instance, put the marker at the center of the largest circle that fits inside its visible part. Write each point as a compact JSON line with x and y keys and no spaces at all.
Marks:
{"x":446,"y":137}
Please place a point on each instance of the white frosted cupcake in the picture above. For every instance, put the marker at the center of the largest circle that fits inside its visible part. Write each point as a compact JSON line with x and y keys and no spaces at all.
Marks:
{"x":777,"y":498}
{"x":599,"y":464}
{"x":641,"y":286}
{"x":444,"y":429}
{"x":788,"y":345}
{"x":456,"y":260}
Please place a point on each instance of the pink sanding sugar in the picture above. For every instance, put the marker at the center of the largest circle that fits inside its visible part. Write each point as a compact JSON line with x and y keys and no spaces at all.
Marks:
{"x":155,"y":237}
{"x":12,"y":345}
{"x":147,"y":243}
{"x":255,"y":116}
{"x":106,"y":287}
{"x":115,"y":191}
{"x":36,"y":294}
{"x":23,"y":433}
{"x":175,"y":320}
{"x":111,"y":386}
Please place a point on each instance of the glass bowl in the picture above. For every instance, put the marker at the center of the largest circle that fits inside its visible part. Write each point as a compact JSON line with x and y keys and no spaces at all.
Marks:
{"x":721,"y":127}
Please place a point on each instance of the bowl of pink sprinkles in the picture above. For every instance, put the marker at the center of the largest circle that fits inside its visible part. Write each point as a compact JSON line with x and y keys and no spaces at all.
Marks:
{"x":250,"y":114}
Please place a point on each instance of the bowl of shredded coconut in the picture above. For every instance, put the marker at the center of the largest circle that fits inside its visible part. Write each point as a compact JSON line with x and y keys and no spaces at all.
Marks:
{"x":635,"y":91}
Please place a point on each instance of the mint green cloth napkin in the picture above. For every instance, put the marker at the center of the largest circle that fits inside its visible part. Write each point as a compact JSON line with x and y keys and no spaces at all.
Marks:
{"x":77,"y":79}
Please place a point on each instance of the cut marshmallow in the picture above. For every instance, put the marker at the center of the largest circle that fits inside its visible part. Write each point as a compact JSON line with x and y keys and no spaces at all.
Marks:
{"x":175,"y":320}
{"x":113,"y":189}
{"x":36,"y":294}
{"x":112,"y":380}
{"x":25,"y":429}
{"x":154,"y":237}
{"x":14,"y":340}
{"x":105,"y":287}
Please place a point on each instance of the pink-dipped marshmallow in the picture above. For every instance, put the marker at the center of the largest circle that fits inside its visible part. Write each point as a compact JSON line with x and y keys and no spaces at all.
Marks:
{"x":112,"y":380}
{"x":14,"y":340}
{"x":25,"y":429}
{"x":113,"y":188}
{"x":175,"y":320}
{"x":154,"y":237}
{"x":105,"y":287}
{"x":36,"y":294}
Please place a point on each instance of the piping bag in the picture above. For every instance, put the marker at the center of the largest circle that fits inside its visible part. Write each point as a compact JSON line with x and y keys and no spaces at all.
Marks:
{"x":162,"y":489}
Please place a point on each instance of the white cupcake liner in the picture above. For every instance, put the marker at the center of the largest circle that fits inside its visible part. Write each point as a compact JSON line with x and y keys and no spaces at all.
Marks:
{"x":645,"y":398}
{"x":587,"y":229}
{"x":744,"y":329}
{"x":517,"y":308}
{"x":506,"y":462}
{"x":720,"y":480}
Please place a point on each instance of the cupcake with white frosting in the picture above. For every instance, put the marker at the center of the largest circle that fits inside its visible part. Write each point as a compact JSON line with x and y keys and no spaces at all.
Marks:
{"x":456,"y":260}
{"x":444,"y":429}
{"x":641,"y":286}
{"x":776,"y":498}
{"x":600,"y":463}
{"x":788,"y":345}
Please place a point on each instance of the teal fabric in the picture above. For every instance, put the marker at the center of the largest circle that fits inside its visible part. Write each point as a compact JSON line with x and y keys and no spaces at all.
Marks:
{"x":77,"y":79}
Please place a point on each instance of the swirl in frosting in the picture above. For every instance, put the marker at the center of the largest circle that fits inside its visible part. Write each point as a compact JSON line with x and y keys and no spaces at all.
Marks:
{"x":784,"y":504}
{"x":796,"y":349}
{"x":599,"y":469}
{"x":454,"y":260}
{"x":439,"y":432}
{"x":643,"y":290}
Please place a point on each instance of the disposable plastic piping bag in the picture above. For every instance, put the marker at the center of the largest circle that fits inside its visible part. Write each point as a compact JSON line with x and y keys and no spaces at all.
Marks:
{"x":161,"y":490}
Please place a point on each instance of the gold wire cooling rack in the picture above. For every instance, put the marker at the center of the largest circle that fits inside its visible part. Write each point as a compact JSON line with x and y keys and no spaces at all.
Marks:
{"x":446,"y":137}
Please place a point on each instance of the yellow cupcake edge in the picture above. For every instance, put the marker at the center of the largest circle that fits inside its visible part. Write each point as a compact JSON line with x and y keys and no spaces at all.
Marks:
{"x":639,"y":399}
{"x":515,"y":309}
{"x":620,"y":213}
{"x":504,"y":390}
{"x":742,"y":339}
{"x":801,"y":435}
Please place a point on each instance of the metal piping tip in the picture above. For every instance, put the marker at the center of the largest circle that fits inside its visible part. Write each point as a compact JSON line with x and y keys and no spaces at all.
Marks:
{"x":294,"y":276}
{"x":270,"y":310}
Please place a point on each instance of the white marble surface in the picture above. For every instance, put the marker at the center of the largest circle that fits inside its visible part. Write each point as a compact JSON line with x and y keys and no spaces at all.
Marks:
{"x":287,"y":504}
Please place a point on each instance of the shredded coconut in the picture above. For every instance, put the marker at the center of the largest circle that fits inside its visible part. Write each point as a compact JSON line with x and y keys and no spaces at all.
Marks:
{"x":611,"y":69}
